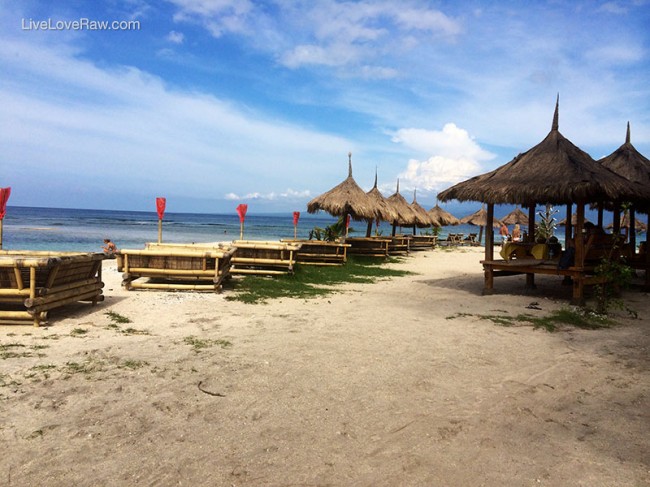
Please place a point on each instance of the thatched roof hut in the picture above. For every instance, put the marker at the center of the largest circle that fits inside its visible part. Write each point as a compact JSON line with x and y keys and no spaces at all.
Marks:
{"x":405,"y":214}
{"x":478,"y":218}
{"x":574,"y":221}
{"x":639,"y":226}
{"x":626,"y":161}
{"x":554,"y":171}
{"x":384,"y":209}
{"x":423,"y":219}
{"x":345,"y":199}
{"x":514,"y":217}
{"x":441,"y":217}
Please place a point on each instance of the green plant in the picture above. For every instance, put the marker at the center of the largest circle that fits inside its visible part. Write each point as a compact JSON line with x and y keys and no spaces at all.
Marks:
{"x":331,"y":232}
{"x":117,"y":318}
{"x":77,"y":332}
{"x":545,"y":227}
{"x":199,"y":344}
{"x":615,"y":275}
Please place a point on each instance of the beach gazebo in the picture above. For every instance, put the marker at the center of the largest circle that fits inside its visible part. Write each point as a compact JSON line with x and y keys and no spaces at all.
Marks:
{"x":384,"y":209}
{"x":516,"y":216}
{"x":574,"y":221}
{"x":480,"y":219}
{"x":345,"y":199}
{"x":405,"y":214}
{"x":554,"y":171}
{"x":633,"y":166}
{"x":422,"y":217}
{"x":441,"y":217}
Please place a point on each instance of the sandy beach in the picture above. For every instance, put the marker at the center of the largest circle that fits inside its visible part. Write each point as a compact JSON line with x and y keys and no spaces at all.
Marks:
{"x":399,"y":382}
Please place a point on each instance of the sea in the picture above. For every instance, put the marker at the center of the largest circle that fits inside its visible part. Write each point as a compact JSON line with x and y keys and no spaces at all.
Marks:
{"x":66,"y":229}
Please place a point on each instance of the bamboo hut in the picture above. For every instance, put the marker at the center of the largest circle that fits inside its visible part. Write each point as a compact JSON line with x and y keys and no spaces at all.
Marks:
{"x":633,"y":166}
{"x":639,"y":226}
{"x":385,"y":211}
{"x":345,"y":199}
{"x":442,"y":218}
{"x":480,"y":219}
{"x":405,"y":214}
{"x":516,"y":216}
{"x":554,"y":171}
{"x":574,"y":221}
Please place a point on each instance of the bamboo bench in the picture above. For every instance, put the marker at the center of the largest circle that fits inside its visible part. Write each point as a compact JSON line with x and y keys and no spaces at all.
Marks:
{"x":320,"y":252}
{"x":423,"y":242}
{"x":369,"y":246}
{"x":264,"y":257}
{"x":200,"y":267}
{"x":33,"y":282}
{"x":399,"y":244}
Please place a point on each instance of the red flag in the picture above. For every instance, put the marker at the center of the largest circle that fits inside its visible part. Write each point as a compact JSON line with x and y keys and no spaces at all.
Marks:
{"x":160,"y":207}
{"x":241,"y":210}
{"x":347,"y":222}
{"x":296,"y":217}
{"x":4,"y":196}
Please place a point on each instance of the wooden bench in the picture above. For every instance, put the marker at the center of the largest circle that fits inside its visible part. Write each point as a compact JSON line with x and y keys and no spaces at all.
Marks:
{"x":320,"y":252}
{"x":369,"y":246}
{"x":423,"y":242}
{"x":198,"y":267}
{"x":264,"y":257}
{"x":32,"y":283}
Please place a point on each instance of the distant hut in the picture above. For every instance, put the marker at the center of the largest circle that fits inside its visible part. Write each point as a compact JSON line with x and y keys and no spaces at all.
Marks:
{"x":442,"y":218}
{"x":345,"y":199}
{"x":384,"y":209}
{"x":405,"y":214}
{"x":480,"y":219}
{"x":423,"y":219}
{"x":554,"y":171}
{"x":633,"y":166}
{"x":516,"y":216}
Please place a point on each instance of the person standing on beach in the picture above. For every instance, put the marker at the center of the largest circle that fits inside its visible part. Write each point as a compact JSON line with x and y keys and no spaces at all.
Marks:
{"x":516,"y":233}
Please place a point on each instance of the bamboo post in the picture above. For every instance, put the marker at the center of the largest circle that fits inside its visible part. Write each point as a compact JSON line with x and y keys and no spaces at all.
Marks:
{"x":160,"y":230}
{"x":0,"y":234}
{"x":241,"y":230}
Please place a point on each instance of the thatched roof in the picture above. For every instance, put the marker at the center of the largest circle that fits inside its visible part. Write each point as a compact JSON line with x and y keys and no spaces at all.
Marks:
{"x":384,"y":209}
{"x":405,"y":214}
{"x":574,"y":220}
{"x":626,"y":161}
{"x":442,"y":218}
{"x":479,"y":218}
{"x":515,"y":216}
{"x":554,"y":171}
{"x":423,"y":218}
{"x":345,"y":199}
{"x":639,"y":226}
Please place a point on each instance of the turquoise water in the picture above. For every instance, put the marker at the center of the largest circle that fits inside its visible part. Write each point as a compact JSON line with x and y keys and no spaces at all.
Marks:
{"x":84,"y":230}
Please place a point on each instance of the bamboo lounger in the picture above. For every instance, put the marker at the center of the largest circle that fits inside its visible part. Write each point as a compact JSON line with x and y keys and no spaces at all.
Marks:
{"x":178,"y":266}
{"x":36,"y":282}
{"x":264,"y":257}
{"x":320,"y":252}
{"x":369,"y":246}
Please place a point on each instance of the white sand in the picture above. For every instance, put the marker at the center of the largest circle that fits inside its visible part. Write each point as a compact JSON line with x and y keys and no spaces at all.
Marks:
{"x":394,"y":383}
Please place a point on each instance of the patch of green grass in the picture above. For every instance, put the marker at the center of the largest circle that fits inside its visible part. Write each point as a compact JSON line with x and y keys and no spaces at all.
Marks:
{"x":134,"y":331}
{"x":78,"y":332}
{"x":311,"y":281}
{"x":133,"y":364}
{"x":117,"y":318}
{"x":86,"y":367}
{"x":578,"y":318}
{"x":199,"y":344}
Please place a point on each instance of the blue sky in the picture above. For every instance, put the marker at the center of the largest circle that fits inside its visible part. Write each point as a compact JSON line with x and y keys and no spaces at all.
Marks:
{"x":212,"y":103}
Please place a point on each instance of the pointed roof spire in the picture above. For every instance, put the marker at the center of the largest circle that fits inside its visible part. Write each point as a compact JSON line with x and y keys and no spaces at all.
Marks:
{"x":397,"y":186}
{"x":627,"y":137}
{"x":556,"y":115}
{"x":375,"y":177}
{"x":349,"y":164}
{"x":415,"y":193}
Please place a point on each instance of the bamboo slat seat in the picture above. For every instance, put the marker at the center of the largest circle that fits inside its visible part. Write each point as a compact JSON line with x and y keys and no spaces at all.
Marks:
{"x":369,"y":246}
{"x":34,"y":282}
{"x":423,"y":242}
{"x":264,"y":257}
{"x":399,"y":244}
{"x":320,"y":252}
{"x":196,"y":267}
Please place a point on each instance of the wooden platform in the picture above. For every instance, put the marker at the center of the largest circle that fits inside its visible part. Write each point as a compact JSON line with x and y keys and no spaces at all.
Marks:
{"x":32,"y":283}
{"x":264,"y":257}
{"x":423,"y":242}
{"x":195,"y":267}
{"x":320,"y":252}
{"x":369,"y":246}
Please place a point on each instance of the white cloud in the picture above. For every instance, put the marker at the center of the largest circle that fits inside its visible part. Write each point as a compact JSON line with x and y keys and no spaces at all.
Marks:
{"x":175,"y":37}
{"x":453,"y":157}
{"x":289,"y":194}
